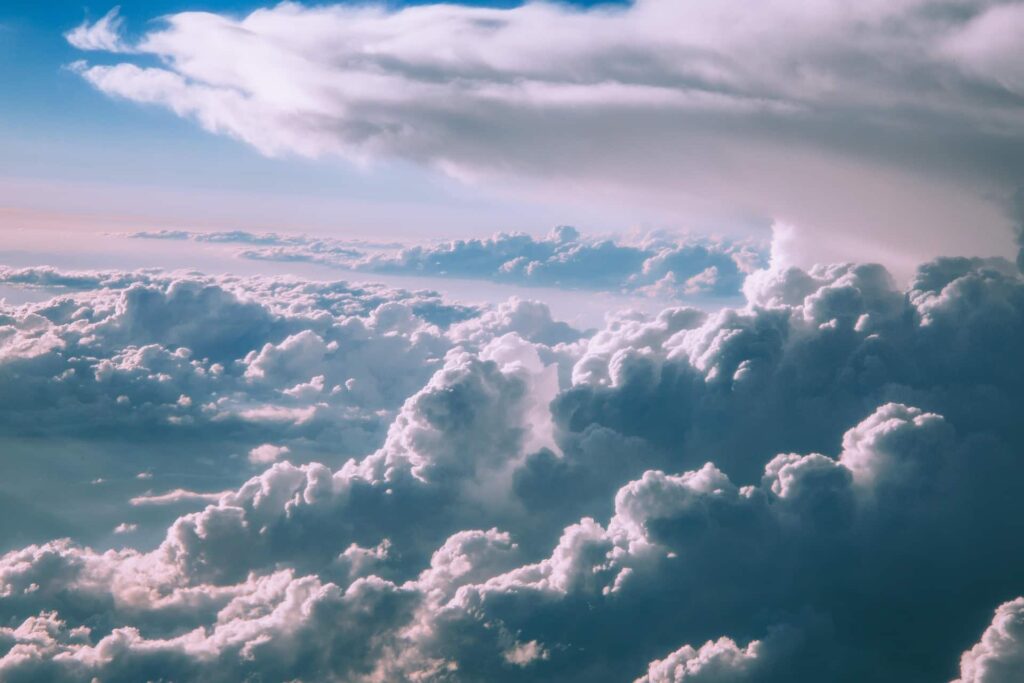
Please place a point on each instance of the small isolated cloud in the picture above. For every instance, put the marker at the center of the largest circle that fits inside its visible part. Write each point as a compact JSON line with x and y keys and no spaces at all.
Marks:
{"x":655,"y":265}
{"x":716,"y":661}
{"x":176,"y":496}
{"x":104,"y":34}
{"x":267,"y":453}
{"x":125,"y":528}
{"x":525,"y":654}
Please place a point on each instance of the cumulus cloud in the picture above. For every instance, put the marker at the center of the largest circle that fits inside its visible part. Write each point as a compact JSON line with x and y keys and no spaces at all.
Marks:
{"x":715,"y":661}
{"x":665,"y":267}
{"x":266,"y":453}
{"x":819,"y":484}
{"x":998,"y":657}
{"x":180,"y":376}
{"x":845,"y":121}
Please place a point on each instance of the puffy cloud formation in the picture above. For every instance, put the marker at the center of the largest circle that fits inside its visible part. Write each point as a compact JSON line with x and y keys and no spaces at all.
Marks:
{"x":654,"y":265}
{"x":193,"y":380}
{"x":842,"y":119}
{"x":822,"y":484}
{"x":716,"y":661}
{"x":999,"y":656}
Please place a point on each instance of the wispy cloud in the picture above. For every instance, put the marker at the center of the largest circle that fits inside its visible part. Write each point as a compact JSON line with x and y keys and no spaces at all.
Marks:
{"x":176,"y":496}
{"x":104,"y":34}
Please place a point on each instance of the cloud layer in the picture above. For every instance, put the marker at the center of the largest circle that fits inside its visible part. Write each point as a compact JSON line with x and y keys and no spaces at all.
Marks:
{"x":191,"y":381}
{"x":879,"y":129}
{"x":819,"y":484}
{"x":654,"y":265}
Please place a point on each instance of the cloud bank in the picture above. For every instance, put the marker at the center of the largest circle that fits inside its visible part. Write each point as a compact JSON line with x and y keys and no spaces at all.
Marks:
{"x":194,"y":382}
{"x":880,"y":130}
{"x":653,"y":265}
{"x":821,"y":483}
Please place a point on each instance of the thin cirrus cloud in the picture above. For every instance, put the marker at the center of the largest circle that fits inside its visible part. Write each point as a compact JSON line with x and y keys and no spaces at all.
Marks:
{"x":866,"y":126}
{"x":103,"y":34}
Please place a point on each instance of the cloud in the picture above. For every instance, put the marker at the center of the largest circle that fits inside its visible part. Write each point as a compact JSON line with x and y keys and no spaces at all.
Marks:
{"x":675,"y":546}
{"x":656,"y":265}
{"x":176,"y":496}
{"x":179,"y":376}
{"x":843,"y":121}
{"x":266,"y":453}
{"x":986,"y":46}
{"x":670,"y":268}
{"x":998,"y":656}
{"x":819,"y":484}
{"x":715,"y":661}
{"x":813,"y":350}
{"x":316,"y":244}
{"x":104,"y":34}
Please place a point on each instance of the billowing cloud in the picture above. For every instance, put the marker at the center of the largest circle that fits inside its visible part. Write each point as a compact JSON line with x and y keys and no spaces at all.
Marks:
{"x":822,"y":483}
{"x":999,"y":656}
{"x":195,"y":381}
{"x":879,"y":130}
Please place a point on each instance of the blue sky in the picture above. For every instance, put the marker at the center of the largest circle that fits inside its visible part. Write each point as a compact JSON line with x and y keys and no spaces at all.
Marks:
{"x":64,"y":147}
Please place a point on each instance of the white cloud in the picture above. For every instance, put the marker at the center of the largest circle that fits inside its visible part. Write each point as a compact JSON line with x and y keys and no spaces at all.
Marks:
{"x":126,"y":368}
{"x":714,"y":662}
{"x":658,"y":264}
{"x":176,"y":496}
{"x":999,"y":655}
{"x":877,"y":129}
{"x":267,"y":453}
{"x":746,"y":478}
{"x":105,"y":34}
{"x":988,"y":46}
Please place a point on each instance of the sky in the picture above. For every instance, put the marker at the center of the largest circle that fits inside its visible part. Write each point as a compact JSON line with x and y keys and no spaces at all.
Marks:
{"x":69,"y":151}
{"x":728,"y":125}
{"x":663,"y":341}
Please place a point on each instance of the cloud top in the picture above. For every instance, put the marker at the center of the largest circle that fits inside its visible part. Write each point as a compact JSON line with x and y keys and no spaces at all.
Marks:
{"x":822,"y":482}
